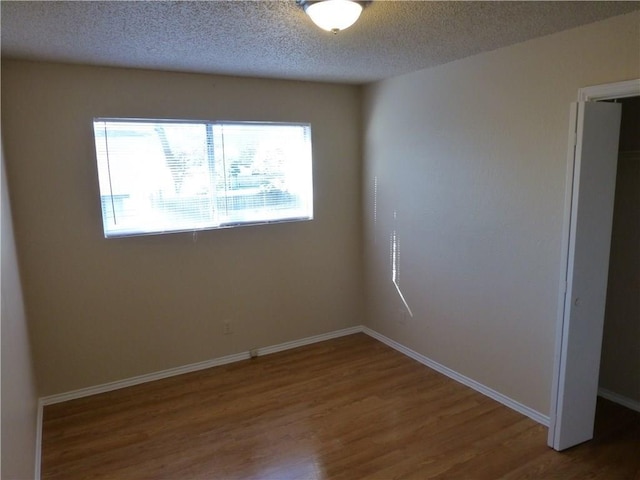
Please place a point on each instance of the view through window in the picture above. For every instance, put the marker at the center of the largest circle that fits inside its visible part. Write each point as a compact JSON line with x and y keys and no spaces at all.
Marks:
{"x":159,"y":176}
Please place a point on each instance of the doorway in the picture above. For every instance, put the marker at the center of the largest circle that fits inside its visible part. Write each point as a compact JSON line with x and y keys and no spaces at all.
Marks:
{"x":620,"y":360}
{"x":591,"y":174}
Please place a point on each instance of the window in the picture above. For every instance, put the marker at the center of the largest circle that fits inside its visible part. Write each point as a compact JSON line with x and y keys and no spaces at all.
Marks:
{"x":159,"y":176}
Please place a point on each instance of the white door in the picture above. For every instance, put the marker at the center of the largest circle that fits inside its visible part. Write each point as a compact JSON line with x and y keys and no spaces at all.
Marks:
{"x":594,"y":177}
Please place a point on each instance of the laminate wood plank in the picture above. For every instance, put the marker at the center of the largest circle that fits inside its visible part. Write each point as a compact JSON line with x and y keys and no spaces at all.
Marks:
{"x":348,"y":408}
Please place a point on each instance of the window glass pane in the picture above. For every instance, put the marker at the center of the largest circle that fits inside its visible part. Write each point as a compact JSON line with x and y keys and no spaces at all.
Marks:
{"x":266,"y":174}
{"x":162,"y":176}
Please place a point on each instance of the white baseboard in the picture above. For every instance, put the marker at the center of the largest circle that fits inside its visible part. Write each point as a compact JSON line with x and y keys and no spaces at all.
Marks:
{"x":194,"y":367}
{"x":619,"y":399}
{"x":150,"y":377}
{"x":107,"y":387}
{"x":497,"y":396}
{"x":309,"y":340}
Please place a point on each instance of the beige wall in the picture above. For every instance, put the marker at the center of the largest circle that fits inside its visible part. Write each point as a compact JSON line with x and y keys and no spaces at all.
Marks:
{"x":104,"y":310}
{"x":470,"y":160}
{"x":19,"y":394}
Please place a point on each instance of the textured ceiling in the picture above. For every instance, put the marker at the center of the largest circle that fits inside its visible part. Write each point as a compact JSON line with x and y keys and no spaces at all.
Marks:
{"x":274,"y":38}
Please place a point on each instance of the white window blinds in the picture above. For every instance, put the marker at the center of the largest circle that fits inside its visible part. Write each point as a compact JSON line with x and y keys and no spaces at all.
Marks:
{"x":159,"y":176}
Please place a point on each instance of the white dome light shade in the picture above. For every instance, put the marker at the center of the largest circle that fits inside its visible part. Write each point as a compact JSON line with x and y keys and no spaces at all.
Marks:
{"x":334,"y":15}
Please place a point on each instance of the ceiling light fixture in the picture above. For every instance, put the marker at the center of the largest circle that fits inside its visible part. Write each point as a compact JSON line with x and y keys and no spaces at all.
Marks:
{"x":333,"y":15}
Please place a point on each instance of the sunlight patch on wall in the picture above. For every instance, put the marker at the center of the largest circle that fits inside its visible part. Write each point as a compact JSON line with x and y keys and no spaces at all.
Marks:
{"x":395,"y":263}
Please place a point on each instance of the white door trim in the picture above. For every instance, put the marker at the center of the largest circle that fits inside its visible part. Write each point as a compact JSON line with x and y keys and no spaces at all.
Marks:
{"x":630,"y":88}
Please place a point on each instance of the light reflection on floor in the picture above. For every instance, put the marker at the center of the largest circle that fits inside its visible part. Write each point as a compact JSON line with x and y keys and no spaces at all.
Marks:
{"x":293,"y":469}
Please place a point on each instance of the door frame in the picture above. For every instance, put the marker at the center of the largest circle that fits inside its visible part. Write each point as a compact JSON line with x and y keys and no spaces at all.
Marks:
{"x":630,"y":88}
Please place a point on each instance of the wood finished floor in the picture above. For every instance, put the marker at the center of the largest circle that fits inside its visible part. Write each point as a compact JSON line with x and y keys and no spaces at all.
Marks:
{"x":348,"y":408}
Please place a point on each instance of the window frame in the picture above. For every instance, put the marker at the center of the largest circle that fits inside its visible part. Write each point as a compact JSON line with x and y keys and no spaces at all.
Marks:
{"x":208,"y":124}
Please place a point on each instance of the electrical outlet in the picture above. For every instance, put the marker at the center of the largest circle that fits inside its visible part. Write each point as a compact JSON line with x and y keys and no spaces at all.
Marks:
{"x":403,"y":315}
{"x":227,"y":327}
